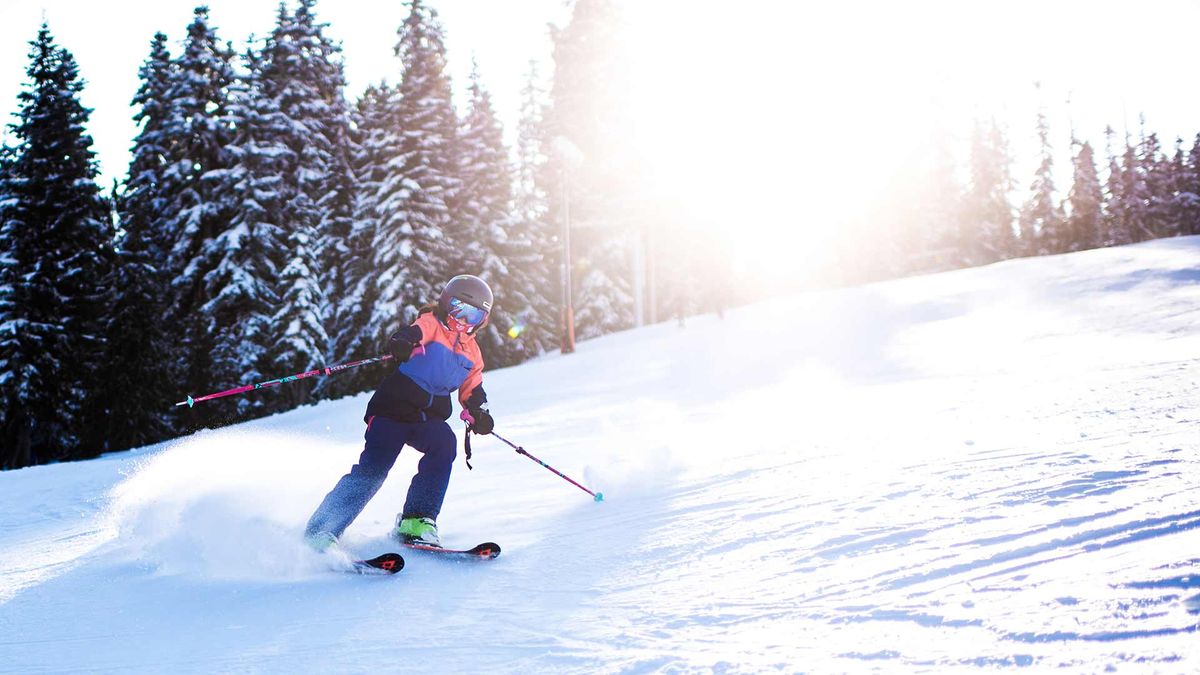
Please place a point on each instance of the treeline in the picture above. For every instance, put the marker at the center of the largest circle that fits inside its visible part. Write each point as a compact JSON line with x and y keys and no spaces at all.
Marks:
{"x":949,"y":215}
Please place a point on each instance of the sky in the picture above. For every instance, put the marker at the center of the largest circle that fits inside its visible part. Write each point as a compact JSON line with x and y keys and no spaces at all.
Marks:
{"x":776,"y":120}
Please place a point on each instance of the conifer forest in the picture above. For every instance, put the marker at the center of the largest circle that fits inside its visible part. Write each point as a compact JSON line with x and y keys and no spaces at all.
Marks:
{"x":273,"y":222}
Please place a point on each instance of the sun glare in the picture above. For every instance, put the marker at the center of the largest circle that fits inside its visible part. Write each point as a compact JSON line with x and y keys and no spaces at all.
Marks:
{"x":776,"y":138}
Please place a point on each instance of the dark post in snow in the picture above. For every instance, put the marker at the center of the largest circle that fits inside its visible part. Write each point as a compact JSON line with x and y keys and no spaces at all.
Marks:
{"x":569,"y":157}
{"x":568,"y":311}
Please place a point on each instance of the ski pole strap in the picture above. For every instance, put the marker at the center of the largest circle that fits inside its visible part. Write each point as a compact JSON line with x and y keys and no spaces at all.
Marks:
{"x":467,"y":447}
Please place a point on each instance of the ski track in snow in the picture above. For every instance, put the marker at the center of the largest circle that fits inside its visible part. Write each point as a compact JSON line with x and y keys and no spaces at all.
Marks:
{"x":976,"y":470}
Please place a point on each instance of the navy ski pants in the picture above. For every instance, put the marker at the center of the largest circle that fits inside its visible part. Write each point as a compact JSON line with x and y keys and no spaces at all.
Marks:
{"x":384,"y":439}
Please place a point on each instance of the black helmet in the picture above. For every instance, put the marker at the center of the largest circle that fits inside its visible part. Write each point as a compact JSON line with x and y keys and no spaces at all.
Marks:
{"x":470,"y":289}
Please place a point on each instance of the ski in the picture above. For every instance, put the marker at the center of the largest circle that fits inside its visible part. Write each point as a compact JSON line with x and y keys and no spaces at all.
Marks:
{"x":388,"y":563}
{"x":484,"y":551}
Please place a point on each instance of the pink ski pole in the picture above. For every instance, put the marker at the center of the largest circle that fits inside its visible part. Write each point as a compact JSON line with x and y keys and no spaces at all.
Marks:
{"x":270,"y":383}
{"x":596,"y":496}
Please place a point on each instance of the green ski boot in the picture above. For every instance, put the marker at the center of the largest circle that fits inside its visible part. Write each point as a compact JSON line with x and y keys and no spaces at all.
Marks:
{"x":420,"y":531}
{"x":321,"y":541}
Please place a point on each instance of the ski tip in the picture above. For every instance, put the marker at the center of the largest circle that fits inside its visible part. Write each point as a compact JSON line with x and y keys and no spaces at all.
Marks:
{"x":487,"y":550}
{"x":388,"y":563}
{"x":599,"y":496}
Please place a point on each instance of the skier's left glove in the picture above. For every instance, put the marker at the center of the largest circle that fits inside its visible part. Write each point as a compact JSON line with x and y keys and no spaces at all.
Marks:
{"x":479,"y":420}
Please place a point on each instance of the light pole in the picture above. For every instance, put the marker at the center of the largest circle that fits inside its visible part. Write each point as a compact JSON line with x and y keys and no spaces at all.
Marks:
{"x":567,"y":342}
{"x":569,"y":157}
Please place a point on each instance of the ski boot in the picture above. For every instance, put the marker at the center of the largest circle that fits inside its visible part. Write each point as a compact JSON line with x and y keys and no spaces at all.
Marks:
{"x":321,"y":541}
{"x":420,"y":531}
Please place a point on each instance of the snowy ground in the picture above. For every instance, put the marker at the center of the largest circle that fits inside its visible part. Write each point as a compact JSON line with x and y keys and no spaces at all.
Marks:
{"x":976,"y":470}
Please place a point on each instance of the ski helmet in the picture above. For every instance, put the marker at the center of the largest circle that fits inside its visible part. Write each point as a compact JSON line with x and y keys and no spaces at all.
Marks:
{"x":468,"y":288}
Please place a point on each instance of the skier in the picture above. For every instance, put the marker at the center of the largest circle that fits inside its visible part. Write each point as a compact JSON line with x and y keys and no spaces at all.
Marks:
{"x":437,"y":355}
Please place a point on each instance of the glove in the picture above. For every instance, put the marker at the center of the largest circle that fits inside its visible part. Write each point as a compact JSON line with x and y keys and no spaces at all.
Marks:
{"x":479,"y":420}
{"x":401,"y":347}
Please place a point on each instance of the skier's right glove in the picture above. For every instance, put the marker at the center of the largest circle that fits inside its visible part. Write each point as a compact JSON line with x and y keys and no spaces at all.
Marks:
{"x":402,"y":343}
{"x":401,"y":348}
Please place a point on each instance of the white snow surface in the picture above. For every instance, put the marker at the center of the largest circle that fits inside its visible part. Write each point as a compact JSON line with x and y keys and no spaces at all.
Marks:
{"x":978,"y":470}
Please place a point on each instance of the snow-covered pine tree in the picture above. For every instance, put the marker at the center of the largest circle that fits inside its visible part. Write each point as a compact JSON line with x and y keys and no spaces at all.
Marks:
{"x":57,"y":235}
{"x":988,"y":217}
{"x":923,"y":212}
{"x":1135,"y":197}
{"x":139,"y":368}
{"x":301,"y":72}
{"x":195,"y":132}
{"x":243,"y":262}
{"x":530,"y":196}
{"x":532,"y":248}
{"x":483,"y":201}
{"x":1189,"y":192}
{"x":373,"y":136}
{"x":413,"y":254}
{"x":944,"y":250}
{"x":1159,"y":183}
{"x":1085,"y":223}
{"x":1041,"y":220}
{"x":15,"y":439}
{"x":1116,"y":210}
{"x":1180,"y":203}
{"x":484,"y":211}
{"x":585,"y":111}
{"x":143,"y":206}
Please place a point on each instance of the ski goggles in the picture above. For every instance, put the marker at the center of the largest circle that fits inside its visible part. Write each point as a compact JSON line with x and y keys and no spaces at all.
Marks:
{"x":466,"y":313}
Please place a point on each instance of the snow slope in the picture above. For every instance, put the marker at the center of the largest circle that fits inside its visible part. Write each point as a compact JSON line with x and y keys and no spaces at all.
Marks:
{"x":982,"y":469}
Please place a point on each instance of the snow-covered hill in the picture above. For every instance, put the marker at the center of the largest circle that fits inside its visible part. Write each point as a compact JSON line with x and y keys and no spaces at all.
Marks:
{"x":990,"y":467}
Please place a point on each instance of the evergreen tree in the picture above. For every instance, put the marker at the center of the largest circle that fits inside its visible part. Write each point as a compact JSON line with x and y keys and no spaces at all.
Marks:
{"x":196,"y":132}
{"x":1135,"y":197}
{"x":139,"y":371}
{"x":1041,"y":221}
{"x":585,"y":115}
{"x":372,"y":141}
{"x":532,"y":251}
{"x":929,"y":211}
{"x":1183,"y":205}
{"x":57,"y":240}
{"x":15,"y":438}
{"x":1084,"y":228}
{"x":944,"y":208}
{"x":1189,"y":192}
{"x":484,"y":220}
{"x":413,"y":254}
{"x":1116,"y":210}
{"x":987,"y":211}
{"x":244,"y":261}
{"x":1159,"y":184}
{"x":530,"y":196}
{"x":301,"y":73}
{"x":144,"y":204}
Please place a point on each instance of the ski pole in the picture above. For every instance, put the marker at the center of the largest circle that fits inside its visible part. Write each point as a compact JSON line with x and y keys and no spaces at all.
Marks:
{"x":597,"y":496}
{"x":270,"y":383}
